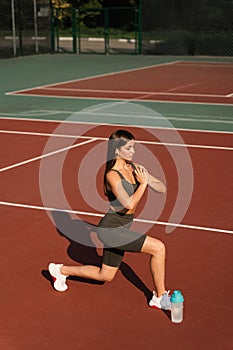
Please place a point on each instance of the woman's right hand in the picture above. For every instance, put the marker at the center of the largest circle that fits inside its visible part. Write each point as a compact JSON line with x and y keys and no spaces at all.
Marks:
{"x":141,"y":175}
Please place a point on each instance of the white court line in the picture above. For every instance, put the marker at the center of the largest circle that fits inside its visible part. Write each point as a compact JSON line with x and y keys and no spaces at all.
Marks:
{"x":117,"y":99}
{"x":170,"y":116}
{"x":147,"y":93}
{"x":222,"y":121}
{"x":194,"y":227}
{"x":29,"y":133}
{"x":230,"y":95}
{"x":186,"y":116}
{"x":183,"y":86}
{"x":178,"y":62}
{"x":95,"y":77}
{"x":113,"y":124}
{"x":157,"y":117}
{"x":44,"y":112}
{"x":45,"y":155}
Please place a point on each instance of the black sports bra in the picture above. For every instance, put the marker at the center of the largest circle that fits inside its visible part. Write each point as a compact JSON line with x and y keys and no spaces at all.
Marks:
{"x":128,"y":186}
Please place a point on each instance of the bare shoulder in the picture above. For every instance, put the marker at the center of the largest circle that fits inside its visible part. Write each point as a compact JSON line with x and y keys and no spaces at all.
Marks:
{"x":112,"y":175}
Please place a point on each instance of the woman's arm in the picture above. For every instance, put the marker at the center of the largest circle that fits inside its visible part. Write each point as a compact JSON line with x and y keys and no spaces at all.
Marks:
{"x":128,"y":202}
{"x":154,"y":183}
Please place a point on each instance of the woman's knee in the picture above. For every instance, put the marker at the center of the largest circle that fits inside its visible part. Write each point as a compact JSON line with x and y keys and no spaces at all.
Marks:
{"x":109,"y":278}
{"x":154,"y":246}
{"x":108,"y":275}
{"x":160,"y":247}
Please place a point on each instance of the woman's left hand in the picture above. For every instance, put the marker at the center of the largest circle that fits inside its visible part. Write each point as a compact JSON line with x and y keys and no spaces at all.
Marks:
{"x":141,"y":174}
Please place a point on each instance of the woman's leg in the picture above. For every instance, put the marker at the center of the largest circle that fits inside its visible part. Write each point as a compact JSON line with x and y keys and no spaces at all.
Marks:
{"x":156,"y":249}
{"x":105,"y":273}
{"x":110,"y":265}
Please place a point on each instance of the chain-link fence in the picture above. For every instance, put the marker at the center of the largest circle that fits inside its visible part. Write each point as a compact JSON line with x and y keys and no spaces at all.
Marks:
{"x":25,"y":27}
{"x":200,"y":28}
{"x":96,"y":30}
{"x":152,"y":27}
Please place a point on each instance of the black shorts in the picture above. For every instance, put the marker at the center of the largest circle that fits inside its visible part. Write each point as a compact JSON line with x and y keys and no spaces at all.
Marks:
{"x":114,"y":233}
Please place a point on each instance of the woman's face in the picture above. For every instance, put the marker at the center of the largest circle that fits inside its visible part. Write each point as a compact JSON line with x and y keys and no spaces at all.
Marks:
{"x":127,"y":151}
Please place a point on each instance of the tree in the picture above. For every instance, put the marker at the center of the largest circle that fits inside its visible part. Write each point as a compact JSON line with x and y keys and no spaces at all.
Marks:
{"x":77,"y":3}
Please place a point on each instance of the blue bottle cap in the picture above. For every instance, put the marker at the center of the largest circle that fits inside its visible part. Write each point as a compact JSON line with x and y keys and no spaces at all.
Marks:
{"x":177,"y":297}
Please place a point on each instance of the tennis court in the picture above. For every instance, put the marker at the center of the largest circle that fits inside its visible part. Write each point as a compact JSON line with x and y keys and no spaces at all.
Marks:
{"x":56,"y":114}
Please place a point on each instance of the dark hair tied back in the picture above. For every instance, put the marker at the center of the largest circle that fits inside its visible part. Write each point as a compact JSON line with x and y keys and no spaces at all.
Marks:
{"x":116,"y":140}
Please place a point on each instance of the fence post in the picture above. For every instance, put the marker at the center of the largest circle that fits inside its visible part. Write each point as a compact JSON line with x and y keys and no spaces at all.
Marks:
{"x":52,"y":29}
{"x":79,"y":32}
{"x":35,"y":25}
{"x":106,"y":30}
{"x":140,"y":27}
{"x":74,"y":30}
{"x":20,"y":28}
{"x":13,"y":26}
{"x":57,"y":30}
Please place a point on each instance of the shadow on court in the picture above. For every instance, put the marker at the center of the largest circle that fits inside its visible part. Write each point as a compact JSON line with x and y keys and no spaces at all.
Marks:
{"x":83,"y":247}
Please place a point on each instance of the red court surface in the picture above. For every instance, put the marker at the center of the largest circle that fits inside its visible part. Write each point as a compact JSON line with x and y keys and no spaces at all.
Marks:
{"x":92,"y":315}
{"x":196,"y":82}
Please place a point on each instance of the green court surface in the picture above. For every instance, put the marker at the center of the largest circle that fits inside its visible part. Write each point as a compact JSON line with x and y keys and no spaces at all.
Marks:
{"x":29,"y":72}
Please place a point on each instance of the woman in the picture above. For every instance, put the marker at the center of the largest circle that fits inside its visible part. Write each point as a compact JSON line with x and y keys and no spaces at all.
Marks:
{"x":124,"y":183}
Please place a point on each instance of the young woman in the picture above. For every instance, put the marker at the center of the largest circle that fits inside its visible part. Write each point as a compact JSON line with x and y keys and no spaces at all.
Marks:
{"x":124,"y":183}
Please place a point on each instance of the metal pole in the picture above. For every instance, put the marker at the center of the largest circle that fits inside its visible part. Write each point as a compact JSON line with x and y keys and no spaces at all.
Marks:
{"x":20,"y":28}
{"x":140,"y":27}
{"x":57,"y":31}
{"x":52,"y":28}
{"x":35,"y":25}
{"x":13,"y":26}
{"x":106,"y":30}
{"x":79,"y":32}
{"x":74,"y":30}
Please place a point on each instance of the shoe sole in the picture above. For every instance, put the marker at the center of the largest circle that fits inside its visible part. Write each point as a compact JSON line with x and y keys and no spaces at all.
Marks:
{"x":155,"y":307}
{"x":159,"y":308}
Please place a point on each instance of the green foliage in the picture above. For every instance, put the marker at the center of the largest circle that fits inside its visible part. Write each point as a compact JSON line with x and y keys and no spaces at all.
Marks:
{"x":77,"y":3}
{"x":177,"y":27}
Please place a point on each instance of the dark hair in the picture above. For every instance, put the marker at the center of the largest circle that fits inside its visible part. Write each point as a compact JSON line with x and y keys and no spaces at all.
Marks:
{"x":116,"y":140}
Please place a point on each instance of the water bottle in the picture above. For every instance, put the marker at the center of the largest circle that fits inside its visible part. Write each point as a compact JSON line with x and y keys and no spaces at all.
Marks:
{"x":177,"y":301}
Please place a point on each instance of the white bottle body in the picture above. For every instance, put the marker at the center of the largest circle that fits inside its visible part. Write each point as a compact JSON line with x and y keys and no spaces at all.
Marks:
{"x":177,"y":312}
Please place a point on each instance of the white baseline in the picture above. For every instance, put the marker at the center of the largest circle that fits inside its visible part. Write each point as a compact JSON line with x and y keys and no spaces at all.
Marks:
{"x":194,"y":227}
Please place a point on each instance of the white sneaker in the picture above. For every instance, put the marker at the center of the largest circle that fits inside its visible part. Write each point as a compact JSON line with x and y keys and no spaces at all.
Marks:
{"x":58,"y":279}
{"x":162,"y":302}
